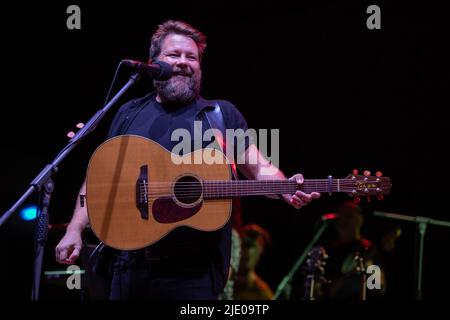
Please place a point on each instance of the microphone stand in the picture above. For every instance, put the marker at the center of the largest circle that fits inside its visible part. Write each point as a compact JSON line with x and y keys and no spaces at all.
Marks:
{"x":422,"y":223}
{"x":44,"y":185}
{"x":284,"y":284}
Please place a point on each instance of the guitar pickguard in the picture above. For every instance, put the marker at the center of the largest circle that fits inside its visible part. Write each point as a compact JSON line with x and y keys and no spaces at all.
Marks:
{"x":166,"y":210}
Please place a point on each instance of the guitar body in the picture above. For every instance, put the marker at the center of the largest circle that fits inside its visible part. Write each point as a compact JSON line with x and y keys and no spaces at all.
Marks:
{"x":136,"y":193}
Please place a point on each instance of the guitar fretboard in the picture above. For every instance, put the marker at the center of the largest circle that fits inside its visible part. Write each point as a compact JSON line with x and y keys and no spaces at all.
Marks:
{"x":223,"y":189}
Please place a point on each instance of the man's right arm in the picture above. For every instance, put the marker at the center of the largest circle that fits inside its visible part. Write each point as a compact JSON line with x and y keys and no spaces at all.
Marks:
{"x":68,"y":249}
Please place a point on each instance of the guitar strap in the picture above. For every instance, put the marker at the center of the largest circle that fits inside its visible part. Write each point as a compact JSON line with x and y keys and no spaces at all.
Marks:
{"x":215,"y":120}
{"x":214,"y":117}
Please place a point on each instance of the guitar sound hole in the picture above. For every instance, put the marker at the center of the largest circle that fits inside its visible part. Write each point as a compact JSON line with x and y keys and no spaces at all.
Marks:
{"x":187,"y":190}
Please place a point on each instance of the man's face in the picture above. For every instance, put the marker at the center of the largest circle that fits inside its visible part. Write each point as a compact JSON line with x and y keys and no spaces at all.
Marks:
{"x":181,"y":53}
{"x":250,"y":255}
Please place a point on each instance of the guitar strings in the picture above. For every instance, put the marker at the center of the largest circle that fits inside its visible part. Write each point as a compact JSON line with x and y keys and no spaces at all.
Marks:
{"x":229,"y":188}
{"x":275,"y":181}
{"x":191,"y":187}
{"x":240,"y":191}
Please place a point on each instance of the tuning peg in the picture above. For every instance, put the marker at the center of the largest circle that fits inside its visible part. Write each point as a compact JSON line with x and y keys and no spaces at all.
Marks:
{"x":356,"y":199}
{"x":380,"y":197}
{"x":80,"y":125}
{"x":367,"y":173}
{"x":71,"y":134}
{"x":379,"y":174}
{"x":355,"y":172}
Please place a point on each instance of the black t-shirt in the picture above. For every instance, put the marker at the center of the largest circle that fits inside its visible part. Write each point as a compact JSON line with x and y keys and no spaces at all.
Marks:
{"x":194,"y":250}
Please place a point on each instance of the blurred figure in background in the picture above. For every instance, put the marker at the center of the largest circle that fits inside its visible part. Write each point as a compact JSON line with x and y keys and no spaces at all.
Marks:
{"x":388,"y":259}
{"x":388,"y":239}
{"x":348,"y":254}
{"x":341,"y":268}
{"x":248,"y":285}
{"x":236,"y":245}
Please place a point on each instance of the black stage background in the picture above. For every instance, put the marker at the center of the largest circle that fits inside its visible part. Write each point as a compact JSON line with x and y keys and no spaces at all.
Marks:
{"x":343,"y":97}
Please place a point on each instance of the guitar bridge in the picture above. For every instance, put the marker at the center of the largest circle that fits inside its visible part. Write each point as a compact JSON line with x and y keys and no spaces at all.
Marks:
{"x":142,"y":192}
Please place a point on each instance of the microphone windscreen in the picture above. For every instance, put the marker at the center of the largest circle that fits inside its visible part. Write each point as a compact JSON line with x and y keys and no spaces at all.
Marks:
{"x":165,"y":71}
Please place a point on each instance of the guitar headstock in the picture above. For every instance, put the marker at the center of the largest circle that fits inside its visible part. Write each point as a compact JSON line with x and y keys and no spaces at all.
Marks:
{"x":314,"y":272}
{"x":366,"y":185}
{"x":316,"y":260}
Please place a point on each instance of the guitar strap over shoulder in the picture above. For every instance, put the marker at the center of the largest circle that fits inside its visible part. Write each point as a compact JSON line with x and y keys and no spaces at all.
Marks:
{"x":216,"y":121}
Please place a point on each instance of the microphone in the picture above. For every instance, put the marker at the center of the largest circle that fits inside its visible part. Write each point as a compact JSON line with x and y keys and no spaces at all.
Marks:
{"x":159,"y":70}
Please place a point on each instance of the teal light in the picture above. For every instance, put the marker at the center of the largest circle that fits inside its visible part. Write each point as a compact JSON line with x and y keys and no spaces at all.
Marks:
{"x":28,"y":213}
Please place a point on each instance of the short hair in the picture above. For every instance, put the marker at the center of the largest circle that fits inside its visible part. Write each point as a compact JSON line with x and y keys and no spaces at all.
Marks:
{"x":176,"y":27}
{"x":347,"y":207}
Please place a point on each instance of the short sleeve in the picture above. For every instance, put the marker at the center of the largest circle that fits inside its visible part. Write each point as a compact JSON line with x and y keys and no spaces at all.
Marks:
{"x":237,"y":128}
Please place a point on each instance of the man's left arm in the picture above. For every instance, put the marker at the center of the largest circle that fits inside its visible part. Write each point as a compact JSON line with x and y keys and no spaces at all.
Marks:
{"x":255,"y":166}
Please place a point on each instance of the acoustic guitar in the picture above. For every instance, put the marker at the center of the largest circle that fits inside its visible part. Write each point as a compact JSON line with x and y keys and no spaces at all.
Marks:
{"x":138,"y":192}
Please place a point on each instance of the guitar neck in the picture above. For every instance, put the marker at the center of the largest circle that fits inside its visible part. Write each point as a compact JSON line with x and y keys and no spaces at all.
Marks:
{"x":238,"y":188}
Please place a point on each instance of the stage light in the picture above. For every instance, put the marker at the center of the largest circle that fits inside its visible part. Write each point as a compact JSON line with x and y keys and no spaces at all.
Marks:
{"x":29,"y":213}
